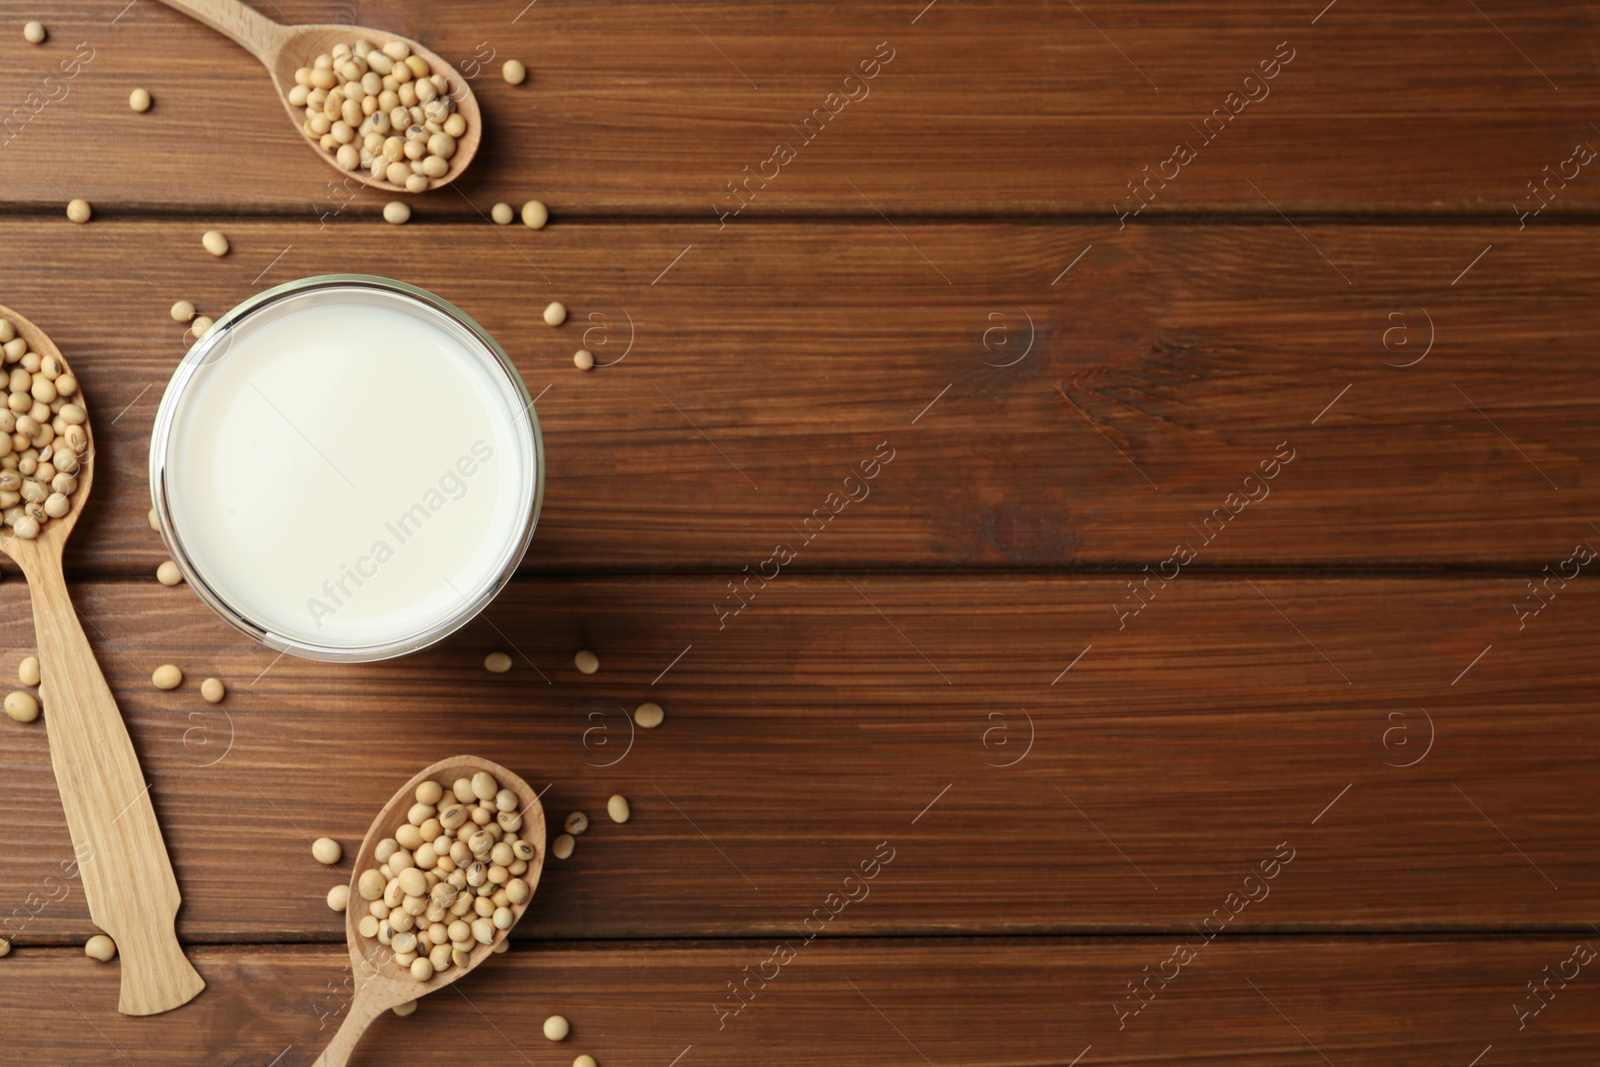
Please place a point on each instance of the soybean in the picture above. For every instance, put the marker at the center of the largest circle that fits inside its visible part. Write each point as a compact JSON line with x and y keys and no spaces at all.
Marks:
{"x":576,"y":823}
{"x":584,"y":359}
{"x":617,"y":807}
{"x":586,"y":662}
{"x":585,"y":1060}
{"x":502,"y":214}
{"x":168,"y":573}
{"x":182,"y":311}
{"x":555,"y":313}
{"x":370,"y":885}
{"x":23,"y":707}
{"x":100,"y":947}
{"x":562,"y":846}
{"x":535,"y":215}
{"x":33,"y":32}
{"x":213,"y":690}
{"x":28,"y":671}
{"x":339,"y":898}
{"x":167,"y":676}
{"x":326,"y":850}
{"x":497,"y":662}
{"x":649,"y":715}
{"x":139,"y":100}
{"x":514,"y":72}
{"x":397,"y":213}
{"x":556,"y":1028}
{"x":215,"y":242}
{"x":78,"y":210}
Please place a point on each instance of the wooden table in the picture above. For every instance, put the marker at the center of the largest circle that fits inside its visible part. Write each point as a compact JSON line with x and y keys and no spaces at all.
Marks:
{"x":1180,"y":429}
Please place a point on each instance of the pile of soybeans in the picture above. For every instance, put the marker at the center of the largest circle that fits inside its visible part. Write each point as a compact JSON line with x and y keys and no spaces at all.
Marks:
{"x":448,"y":879}
{"x":44,"y":436}
{"x":382,"y":110}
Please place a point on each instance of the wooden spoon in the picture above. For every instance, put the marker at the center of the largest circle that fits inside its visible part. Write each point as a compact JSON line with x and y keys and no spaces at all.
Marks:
{"x":127,"y":877}
{"x":285,"y":49}
{"x":380,"y":983}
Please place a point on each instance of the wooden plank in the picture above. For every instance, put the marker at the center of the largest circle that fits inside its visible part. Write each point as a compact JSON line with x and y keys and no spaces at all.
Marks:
{"x":1020,"y":106}
{"x":1227,"y":722}
{"x":770,"y":363}
{"x":1246,"y":1001}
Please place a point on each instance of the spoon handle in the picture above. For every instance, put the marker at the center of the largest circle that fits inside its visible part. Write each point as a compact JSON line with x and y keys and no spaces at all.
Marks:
{"x":127,"y":877}
{"x":243,"y":25}
{"x":363,"y":1009}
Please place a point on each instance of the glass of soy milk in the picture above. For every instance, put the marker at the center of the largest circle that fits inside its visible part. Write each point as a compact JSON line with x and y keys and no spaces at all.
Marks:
{"x":346,"y":468}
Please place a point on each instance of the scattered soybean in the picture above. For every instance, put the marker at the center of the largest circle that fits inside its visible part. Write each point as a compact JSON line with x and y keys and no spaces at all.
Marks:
{"x":23,"y":707}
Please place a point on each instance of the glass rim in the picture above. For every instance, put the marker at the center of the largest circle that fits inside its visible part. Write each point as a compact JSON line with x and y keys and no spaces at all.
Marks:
{"x":161,"y":438}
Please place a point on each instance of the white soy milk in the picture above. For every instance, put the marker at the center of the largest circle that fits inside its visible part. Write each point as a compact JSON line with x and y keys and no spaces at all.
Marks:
{"x":347,"y":469}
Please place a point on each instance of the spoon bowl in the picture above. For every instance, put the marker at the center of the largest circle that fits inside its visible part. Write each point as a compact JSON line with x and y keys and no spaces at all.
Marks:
{"x":380,"y":983}
{"x":122,"y":859}
{"x":285,"y":49}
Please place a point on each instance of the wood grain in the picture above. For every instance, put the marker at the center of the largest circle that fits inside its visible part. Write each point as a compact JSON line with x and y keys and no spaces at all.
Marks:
{"x":1069,"y":688}
{"x":1021,"y":107}
{"x":117,"y":848}
{"x":1173,"y":757}
{"x":785,"y":355}
{"x":1255,"y":1002}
